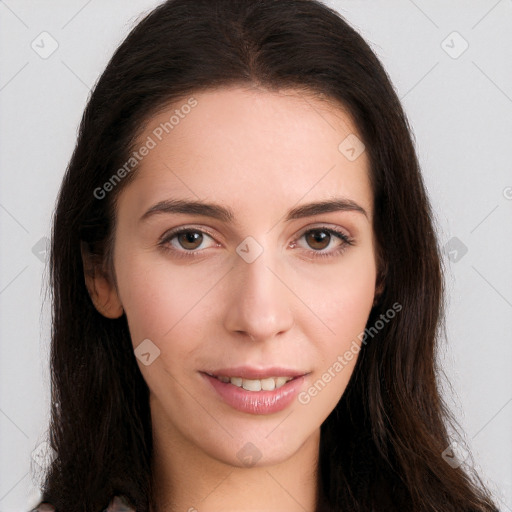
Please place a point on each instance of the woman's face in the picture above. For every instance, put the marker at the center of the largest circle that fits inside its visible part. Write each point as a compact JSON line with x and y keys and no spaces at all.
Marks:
{"x":249,"y":289}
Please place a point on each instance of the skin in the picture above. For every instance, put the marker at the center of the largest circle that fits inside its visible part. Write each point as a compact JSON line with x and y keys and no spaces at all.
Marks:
{"x":259,"y":153}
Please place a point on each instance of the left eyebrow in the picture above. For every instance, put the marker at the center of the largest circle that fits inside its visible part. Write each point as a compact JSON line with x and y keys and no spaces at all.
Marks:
{"x":225,"y":214}
{"x":331,"y":205}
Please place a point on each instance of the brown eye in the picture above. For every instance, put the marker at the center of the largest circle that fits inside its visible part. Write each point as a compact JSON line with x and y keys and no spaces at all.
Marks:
{"x":318,"y":239}
{"x":190,"y":239}
{"x":186,"y":242}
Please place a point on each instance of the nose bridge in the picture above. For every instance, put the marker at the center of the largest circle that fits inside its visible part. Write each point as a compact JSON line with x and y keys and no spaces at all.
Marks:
{"x":259,"y":304}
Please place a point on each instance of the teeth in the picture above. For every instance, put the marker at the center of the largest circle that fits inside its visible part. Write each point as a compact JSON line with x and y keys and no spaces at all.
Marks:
{"x":251,"y":385}
{"x":281,"y":381}
{"x":268,"y":384}
{"x":237,"y":381}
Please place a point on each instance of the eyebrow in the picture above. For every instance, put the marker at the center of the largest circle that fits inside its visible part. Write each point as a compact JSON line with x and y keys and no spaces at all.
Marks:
{"x":222,"y":213}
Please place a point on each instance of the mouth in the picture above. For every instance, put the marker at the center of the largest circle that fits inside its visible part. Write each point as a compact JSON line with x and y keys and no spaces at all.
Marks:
{"x":266,"y":384}
{"x":256,"y":391}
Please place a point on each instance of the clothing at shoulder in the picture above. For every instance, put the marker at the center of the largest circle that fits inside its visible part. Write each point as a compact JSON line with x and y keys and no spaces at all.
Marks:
{"x":118,"y":504}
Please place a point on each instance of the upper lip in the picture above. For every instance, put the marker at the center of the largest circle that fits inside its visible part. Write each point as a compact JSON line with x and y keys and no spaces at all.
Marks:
{"x":250,"y":372}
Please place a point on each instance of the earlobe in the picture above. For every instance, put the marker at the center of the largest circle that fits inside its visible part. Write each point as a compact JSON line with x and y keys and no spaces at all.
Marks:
{"x":104,"y":296}
{"x":101,"y":290}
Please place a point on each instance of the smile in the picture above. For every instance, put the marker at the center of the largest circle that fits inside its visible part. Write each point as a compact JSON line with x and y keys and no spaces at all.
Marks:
{"x":263,"y":395}
{"x":267,"y":384}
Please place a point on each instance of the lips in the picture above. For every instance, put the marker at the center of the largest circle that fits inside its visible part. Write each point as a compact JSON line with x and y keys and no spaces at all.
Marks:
{"x":256,"y":390}
{"x":254,"y":379}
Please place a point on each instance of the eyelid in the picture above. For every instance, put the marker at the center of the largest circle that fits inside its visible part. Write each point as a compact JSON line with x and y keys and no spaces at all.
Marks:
{"x":345,"y":239}
{"x":327,"y":227}
{"x":180,"y":229}
{"x":210,"y":232}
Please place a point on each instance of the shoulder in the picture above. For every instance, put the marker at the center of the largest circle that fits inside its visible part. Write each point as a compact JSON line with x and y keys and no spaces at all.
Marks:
{"x":119,"y":504}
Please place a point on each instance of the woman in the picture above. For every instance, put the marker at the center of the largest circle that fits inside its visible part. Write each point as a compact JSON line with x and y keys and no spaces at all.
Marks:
{"x":247,"y":284}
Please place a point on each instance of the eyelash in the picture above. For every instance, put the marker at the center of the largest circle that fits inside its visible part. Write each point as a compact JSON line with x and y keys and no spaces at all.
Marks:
{"x":347,"y":241}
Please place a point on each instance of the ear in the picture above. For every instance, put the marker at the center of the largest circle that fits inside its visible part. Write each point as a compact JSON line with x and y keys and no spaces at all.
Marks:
{"x":100,"y":286}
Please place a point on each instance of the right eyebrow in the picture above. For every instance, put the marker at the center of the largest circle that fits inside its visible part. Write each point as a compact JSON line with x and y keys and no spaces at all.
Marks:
{"x":170,"y":206}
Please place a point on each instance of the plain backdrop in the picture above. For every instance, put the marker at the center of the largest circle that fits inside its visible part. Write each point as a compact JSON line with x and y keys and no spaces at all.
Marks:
{"x":451,"y":66}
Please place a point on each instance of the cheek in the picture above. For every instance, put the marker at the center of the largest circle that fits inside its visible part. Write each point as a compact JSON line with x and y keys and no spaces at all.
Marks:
{"x":342,"y":301}
{"x":169,"y":306}
{"x":351,"y":303}
{"x":342,"y":298}
{"x":154,"y":299}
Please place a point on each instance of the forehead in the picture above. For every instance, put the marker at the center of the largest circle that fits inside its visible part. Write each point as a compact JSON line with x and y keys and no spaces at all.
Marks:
{"x":251,"y":147}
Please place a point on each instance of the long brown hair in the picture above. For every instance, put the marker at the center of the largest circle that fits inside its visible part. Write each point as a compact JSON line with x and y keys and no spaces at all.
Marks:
{"x":381,"y":447}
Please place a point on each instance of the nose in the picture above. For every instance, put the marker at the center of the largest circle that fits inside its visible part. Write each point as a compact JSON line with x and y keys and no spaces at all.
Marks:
{"x":259,"y":304}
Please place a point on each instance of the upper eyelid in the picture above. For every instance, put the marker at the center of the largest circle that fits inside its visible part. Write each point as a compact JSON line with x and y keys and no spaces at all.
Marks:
{"x":207,"y":230}
{"x":176,"y":231}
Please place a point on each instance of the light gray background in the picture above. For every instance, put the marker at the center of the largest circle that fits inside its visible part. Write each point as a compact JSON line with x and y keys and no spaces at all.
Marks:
{"x":460,"y":108}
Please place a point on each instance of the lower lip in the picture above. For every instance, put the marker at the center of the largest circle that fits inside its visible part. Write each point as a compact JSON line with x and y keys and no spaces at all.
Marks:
{"x":256,"y":402}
